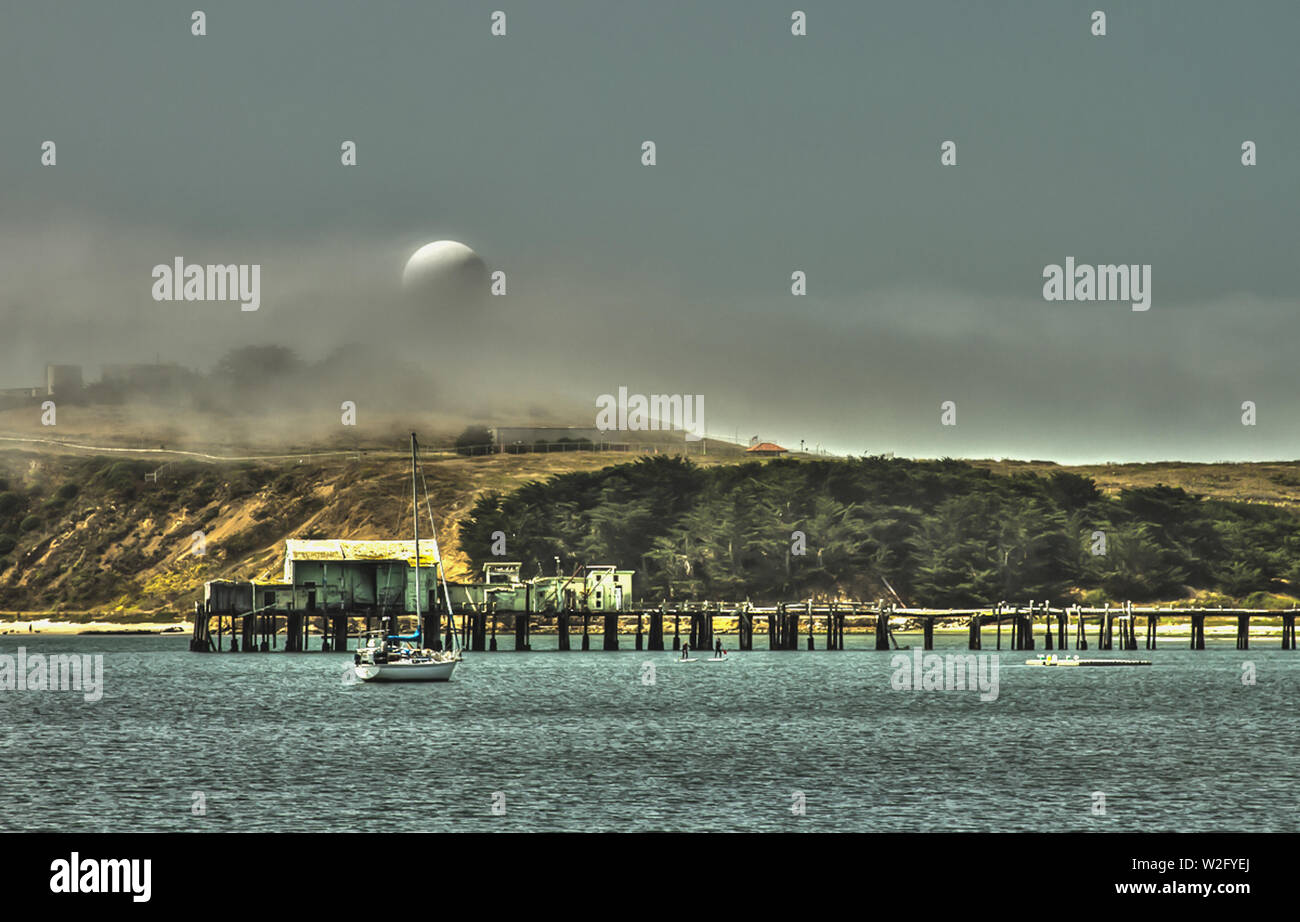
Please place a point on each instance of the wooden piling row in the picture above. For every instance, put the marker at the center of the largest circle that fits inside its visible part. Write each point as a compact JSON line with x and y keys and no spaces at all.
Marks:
{"x":1022,"y":628}
{"x":259,"y":630}
{"x":783,"y":628}
{"x":834,"y":629}
{"x":201,"y":638}
{"x":702,"y":630}
{"x":1104,"y":628}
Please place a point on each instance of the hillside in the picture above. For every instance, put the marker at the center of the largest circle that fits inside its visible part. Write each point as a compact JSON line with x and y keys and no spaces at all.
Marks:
{"x":90,"y":533}
{"x":938,"y":533}
{"x":82,"y":532}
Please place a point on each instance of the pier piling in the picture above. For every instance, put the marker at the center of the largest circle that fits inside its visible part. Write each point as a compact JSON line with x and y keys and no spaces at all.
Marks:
{"x":433,"y":624}
{"x":882,"y":626}
{"x":745,"y":630}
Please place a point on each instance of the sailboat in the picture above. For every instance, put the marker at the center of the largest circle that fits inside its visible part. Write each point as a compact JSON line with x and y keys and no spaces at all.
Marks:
{"x":386,"y":656}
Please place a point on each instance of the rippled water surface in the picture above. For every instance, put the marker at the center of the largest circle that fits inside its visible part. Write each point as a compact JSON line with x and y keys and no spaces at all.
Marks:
{"x":580,"y":741}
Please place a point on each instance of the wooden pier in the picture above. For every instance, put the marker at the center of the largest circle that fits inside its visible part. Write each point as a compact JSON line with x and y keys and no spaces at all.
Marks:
{"x":788,"y":625}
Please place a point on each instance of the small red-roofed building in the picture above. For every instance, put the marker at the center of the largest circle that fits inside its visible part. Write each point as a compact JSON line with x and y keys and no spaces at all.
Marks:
{"x":765,"y":450}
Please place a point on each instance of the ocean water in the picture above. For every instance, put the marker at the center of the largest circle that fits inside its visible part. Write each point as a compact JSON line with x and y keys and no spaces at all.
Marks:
{"x":631,"y":740}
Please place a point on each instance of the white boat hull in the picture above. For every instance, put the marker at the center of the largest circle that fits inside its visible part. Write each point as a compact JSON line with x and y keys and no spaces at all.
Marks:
{"x":405,"y":672}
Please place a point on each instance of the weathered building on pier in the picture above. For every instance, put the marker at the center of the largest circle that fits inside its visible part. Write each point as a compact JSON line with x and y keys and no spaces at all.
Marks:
{"x":379,"y":576}
{"x":589,"y":589}
{"x":337,"y":575}
{"x":357,"y":575}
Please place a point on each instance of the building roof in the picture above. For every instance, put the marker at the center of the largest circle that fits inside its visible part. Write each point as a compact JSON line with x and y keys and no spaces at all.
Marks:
{"x":765,"y":446}
{"x":372,"y":551}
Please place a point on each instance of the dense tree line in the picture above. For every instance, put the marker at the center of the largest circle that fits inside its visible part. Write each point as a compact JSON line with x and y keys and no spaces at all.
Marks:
{"x":941,"y":533}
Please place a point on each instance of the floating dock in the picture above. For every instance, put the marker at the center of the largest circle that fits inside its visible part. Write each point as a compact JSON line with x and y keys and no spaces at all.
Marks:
{"x":1075,"y":661}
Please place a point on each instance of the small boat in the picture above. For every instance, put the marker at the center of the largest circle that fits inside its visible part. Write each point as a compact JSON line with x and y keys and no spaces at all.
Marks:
{"x":388,"y":656}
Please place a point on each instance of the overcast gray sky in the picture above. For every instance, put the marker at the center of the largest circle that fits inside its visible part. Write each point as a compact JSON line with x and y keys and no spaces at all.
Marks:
{"x":775,"y":153}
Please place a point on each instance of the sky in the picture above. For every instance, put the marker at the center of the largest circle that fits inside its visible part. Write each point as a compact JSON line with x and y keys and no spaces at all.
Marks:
{"x":775,"y":153}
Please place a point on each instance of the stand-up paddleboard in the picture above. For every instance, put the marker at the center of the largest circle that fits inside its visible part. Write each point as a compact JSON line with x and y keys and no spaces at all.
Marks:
{"x":689,"y":659}
{"x":716,"y":659}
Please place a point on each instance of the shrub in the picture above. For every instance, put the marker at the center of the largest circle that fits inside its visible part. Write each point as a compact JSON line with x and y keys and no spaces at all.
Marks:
{"x":123,"y":476}
{"x":475,"y":440}
{"x":30,"y":523}
{"x":7,"y":544}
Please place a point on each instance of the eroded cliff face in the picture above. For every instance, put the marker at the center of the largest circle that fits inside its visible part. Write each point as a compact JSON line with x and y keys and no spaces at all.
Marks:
{"x":104,"y":534}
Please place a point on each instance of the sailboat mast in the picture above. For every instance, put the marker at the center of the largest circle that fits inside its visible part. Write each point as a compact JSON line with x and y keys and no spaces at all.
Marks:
{"x":415,"y":521}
